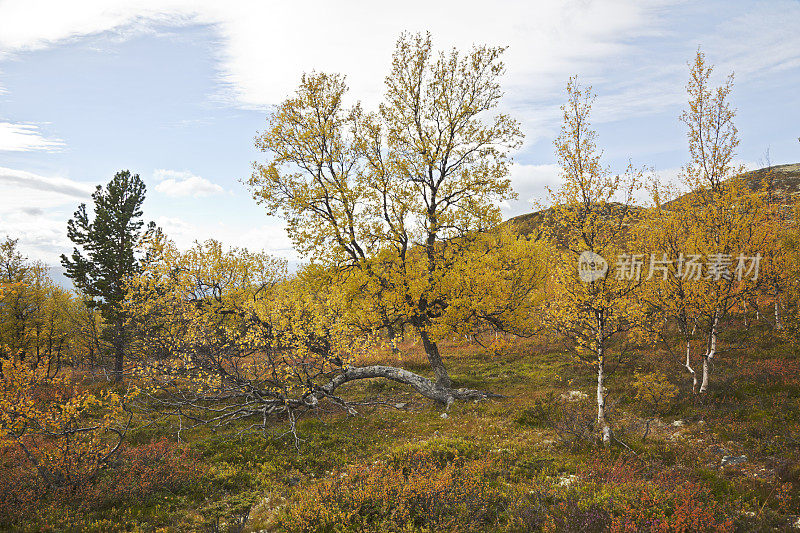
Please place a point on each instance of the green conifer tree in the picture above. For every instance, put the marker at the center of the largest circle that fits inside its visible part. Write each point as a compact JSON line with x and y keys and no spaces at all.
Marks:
{"x":104,"y":254}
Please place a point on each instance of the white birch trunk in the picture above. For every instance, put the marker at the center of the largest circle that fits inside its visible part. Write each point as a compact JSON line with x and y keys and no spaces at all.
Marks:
{"x":778,"y":323}
{"x":712,"y":350}
{"x":704,"y":386}
{"x":602,"y":423}
{"x":689,"y":367}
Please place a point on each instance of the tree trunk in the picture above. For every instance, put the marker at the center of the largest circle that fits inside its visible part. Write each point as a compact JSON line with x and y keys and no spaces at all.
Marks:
{"x":119,"y":357}
{"x":602,"y":423}
{"x":119,"y":354}
{"x":778,"y":323}
{"x":689,"y":367}
{"x":393,"y":341}
{"x":422,"y":385}
{"x":435,"y":360}
{"x":704,"y":385}
{"x":712,"y":350}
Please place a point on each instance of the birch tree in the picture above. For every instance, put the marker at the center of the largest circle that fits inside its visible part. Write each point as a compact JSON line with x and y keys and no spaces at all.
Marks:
{"x":396,"y":197}
{"x":774,"y":280}
{"x":664,"y":232}
{"x":592,"y":213}
{"x":724,"y":218}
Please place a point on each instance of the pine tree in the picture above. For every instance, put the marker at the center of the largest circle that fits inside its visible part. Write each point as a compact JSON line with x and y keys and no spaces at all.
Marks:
{"x":108,"y":242}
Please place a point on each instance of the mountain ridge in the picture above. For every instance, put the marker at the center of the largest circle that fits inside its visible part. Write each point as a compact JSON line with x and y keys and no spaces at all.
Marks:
{"x":784,"y":183}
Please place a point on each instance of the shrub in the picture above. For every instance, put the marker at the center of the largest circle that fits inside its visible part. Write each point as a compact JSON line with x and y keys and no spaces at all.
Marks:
{"x":413,"y":491}
{"x":571,"y":420}
{"x":439,"y":451}
{"x":144,"y":471}
{"x":138,"y":476}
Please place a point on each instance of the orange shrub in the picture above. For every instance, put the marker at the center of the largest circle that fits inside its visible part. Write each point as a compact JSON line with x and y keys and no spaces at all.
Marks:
{"x":422,"y":494}
{"x":144,"y":471}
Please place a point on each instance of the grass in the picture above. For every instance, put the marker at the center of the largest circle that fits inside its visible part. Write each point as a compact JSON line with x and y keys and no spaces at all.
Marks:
{"x":251,"y":481}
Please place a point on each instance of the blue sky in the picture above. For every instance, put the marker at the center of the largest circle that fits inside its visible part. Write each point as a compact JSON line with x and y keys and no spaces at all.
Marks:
{"x":176,"y":90}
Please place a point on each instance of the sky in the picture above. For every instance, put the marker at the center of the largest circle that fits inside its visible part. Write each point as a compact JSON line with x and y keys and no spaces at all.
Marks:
{"x":177,"y":90}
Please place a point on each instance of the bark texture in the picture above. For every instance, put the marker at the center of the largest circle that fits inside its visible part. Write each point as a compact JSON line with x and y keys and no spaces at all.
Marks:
{"x":712,"y":351}
{"x":435,"y":360}
{"x":424,"y":386}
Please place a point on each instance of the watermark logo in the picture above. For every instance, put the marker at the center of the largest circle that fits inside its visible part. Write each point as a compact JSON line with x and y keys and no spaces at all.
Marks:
{"x":591,"y":267}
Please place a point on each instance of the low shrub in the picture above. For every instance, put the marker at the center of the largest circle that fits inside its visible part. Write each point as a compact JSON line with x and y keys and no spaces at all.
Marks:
{"x":138,"y":476}
{"x":572,"y":420}
{"x":143,"y":472}
{"x":413,"y":491}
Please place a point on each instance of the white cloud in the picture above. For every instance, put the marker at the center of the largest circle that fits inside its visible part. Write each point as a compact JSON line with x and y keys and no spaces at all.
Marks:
{"x":271,"y":238}
{"x":530,"y":182}
{"x":40,"y":238}
{"x":13,"y":178}
{"x":35,"y":210}
{"x":180,"y":231}
{"x":754,"y":43}
{"x":264,"y":47}
{"x":23,"y":26}
{"x":184,"y":183}
{"x":24,"y":137}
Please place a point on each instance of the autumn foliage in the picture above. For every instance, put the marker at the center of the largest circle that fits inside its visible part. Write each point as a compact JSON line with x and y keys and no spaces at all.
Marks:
{"x":430,"y":368}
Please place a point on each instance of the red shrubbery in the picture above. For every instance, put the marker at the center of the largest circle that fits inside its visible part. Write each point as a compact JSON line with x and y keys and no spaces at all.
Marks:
{"x":143,"y":471}
{"x":138,"y":473}
{"x":428,"y":490}
{"x":779,"y":371}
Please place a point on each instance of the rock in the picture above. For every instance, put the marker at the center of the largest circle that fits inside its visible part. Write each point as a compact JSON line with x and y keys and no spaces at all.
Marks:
{"x":400,"y":405}
{"x":733,"y":460}
{"x":443,"y":415}
{"x":574,"y":396}
{"x":679,"y":423}
{"x":677,"y":435}
{"x":567,"y":480}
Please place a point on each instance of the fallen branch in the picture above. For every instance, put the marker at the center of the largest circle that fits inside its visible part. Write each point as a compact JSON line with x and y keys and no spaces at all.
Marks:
{"x":422,"y":385}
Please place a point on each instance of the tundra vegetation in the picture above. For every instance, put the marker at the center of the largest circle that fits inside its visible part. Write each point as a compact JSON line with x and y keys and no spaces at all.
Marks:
{"x":430,"y":367}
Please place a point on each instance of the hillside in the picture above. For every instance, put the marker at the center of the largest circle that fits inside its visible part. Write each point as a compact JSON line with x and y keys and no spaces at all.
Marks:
{"x":783,"y":181}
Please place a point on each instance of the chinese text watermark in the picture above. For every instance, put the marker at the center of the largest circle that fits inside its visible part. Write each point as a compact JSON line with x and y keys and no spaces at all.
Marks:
{"x":716,"y":266}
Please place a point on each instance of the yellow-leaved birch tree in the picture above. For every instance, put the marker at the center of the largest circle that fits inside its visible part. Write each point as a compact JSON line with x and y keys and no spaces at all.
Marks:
{"x":592,"y":215}
{"x":395,"y":200}
{"x":722,"y":221}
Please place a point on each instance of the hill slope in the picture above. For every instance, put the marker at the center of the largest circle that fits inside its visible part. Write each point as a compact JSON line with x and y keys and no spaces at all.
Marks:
{"x":783,"y":181}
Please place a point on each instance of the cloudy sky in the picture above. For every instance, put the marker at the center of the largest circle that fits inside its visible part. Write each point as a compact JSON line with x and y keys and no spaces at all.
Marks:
{"x":176,"y":90}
